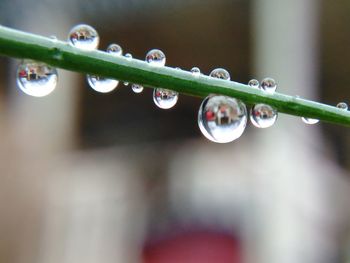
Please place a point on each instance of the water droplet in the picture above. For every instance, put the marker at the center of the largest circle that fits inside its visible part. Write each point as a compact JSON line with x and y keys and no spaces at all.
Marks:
{"x":36,"y":78}
{"x":195,"y":71}
{"x":269,"y":85}
{"x":84,"y":37}
{"x":137,"y":88}
{"x":101,"y":84}
{"x":155,"y":57}
{"x":115,"y":50}
{"x":254,"y":83}
{"x":220,"y":73}
{"x":128,"y":56}
{"x":309,"y":120}
{"x":178,"y":68}
{"x":263,"y":116}
{"x":164,"y":98}
{"x":53,"y":38}
{"x":342,"y":105}
{"x":222,"y":119}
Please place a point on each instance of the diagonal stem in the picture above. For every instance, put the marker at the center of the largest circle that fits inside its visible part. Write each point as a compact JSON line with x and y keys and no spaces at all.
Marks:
{"x":18,"y":44}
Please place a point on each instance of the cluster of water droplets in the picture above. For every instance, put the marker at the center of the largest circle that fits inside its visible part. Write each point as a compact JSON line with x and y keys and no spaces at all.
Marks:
{"x":102,"y":84}
{"x":221,"y":119}
{"x":263,"y":115}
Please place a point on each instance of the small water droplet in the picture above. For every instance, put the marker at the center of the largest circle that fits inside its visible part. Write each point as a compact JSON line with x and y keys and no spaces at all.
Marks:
{"x":137,"y":88}
{"x":222,"y":119}
{"x":220,"y":73}
{"x":53,"y":38}
{"x":263,"y":116}
{"x":84,"y":37}
{"x":309,"y":120}
{"x":115,"y":50}
{"x":254,"y":83}
{"x":155,"y":57}
{"x":128,"y":56}
{"x":342,"y":105}
{"x":36,"y":78}
{"x":195,"y":71}
{"x":269,"y":85}
{"x":164,"y":98}
{"x":101,"y":84}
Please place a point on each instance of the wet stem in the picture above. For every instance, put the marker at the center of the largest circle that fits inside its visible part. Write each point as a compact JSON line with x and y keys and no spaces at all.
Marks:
{"x":23,"y":45}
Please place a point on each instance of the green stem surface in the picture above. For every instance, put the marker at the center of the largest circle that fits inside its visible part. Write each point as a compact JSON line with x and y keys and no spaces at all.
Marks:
{"x":18,"y":44}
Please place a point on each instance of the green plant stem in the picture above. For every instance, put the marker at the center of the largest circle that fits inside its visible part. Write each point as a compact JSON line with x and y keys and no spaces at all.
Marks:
{"x":18,"y":44}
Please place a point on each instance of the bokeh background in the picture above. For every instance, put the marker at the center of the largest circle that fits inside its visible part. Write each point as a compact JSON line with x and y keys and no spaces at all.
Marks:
{"x":87,"y":177}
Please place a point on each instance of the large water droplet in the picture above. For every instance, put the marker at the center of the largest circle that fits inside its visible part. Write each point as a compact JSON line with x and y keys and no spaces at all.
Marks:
{"x":269,"y":85}
{"x":115,"y":50}
{"x":164,"y":98}
{"x":342,"y":105}
{"x":309,"y":120}
{"x":220,"y":73}
{"x":254,"y":83}
{"x":137,"y":88}
{"x":101,"y":84}
{"x":263,"y":116}
{"x":195,"y":71}
{"x":36,"y":78}
{"x":156,"y":58}
{"x":222,"y":119}
{"x":84,"y":37}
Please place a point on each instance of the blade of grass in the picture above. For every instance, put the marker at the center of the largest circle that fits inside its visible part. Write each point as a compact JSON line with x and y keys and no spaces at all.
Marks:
{"x":18,"y":44}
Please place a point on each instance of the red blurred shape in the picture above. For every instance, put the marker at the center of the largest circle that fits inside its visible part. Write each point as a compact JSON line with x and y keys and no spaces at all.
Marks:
{"x":197,"y":247}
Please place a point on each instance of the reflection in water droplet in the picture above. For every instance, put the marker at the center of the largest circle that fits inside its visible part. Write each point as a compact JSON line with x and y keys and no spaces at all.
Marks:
{"x":220,"y":73}
{"x":263,"y":116}
{"x":309,"y":120}
{"x":155,"y":57}
{"x":164,"y":98}
{"x":101,"y":84}
{"x":195,"y":71}
{"x":269,"y":85}
{"x":222,"y":119}
{"x":137,"y":88}
{"x":84,"y":37}
{"x":36,"y":78}
{"x":342,"y":105}
{"x":115,"y":50}
{"x":254,"y":83}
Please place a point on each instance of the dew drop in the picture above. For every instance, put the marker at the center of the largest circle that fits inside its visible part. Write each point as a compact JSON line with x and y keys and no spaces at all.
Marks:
{"x":222,"y":119}
{"x":342,"y":105}
{"x":84,"y":37}
{"x":220,"y":73}
{"x":195,"y":71}
{"x":115,"y":50}
{"x":101,"y":84}
{"x":263,"y":116}
{"x":36,"y":78}
{"x":155,"y":57}
{"x":309,"y":120}
{"x":128,"y":56}
{"x":164,"y":98}
{"x":137,"y":88}
{"x":269,"y":85}
{"x":254,"y":83}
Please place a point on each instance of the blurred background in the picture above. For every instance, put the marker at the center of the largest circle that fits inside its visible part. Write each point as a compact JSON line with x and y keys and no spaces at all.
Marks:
{"x":88,"y":177}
